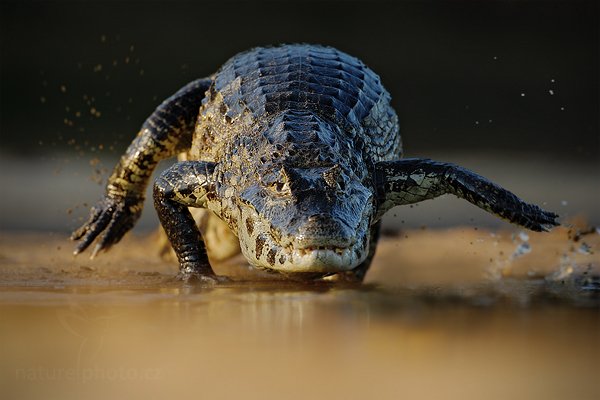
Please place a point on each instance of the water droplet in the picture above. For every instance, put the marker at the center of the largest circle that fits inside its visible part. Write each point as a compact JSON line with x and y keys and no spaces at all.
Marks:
{"x":521,"y":250}
{"x":584,"y":248}
{"x":522,"y":94}
{"x":564,"y":203}
{"x":564,"y":270}
{"x":523,"y":236}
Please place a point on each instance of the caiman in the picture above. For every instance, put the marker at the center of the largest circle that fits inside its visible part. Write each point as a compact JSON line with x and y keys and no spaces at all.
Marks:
{"x":297,"y":150}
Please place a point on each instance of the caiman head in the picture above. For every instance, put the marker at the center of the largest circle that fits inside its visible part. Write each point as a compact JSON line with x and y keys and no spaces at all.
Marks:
{"x":300,"y":198}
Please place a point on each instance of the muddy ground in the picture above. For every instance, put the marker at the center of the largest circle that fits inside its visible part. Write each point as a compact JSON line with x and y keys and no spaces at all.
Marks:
{"x":444,"y":313}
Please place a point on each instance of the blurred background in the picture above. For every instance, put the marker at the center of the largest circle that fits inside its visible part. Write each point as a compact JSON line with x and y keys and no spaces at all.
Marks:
{"x":506,"y":88}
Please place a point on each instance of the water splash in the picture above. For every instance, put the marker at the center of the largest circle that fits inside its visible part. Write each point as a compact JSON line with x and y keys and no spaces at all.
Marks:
{"x":502,"y":266}
{"x":585,"y":248}
{"x":572,"y":268}
{"x":523,"y":247}
{"x":565,"y":269}
{"x":521,"y":250}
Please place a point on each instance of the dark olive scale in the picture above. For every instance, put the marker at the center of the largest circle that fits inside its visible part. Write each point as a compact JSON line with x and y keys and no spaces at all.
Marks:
{"x":329,"y":83}
{"x":297,"y":150}
{"x":307,"y":95}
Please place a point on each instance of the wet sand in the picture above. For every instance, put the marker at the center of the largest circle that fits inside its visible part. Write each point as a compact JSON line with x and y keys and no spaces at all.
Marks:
{"x":455,"y":314}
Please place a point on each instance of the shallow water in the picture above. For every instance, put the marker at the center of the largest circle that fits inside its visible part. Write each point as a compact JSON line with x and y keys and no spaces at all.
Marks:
{"x":454,"y":313}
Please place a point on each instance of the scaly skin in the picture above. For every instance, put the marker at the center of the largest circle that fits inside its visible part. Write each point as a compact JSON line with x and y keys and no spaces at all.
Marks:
{"x":297,"y":149}
{"x":165,"y":133}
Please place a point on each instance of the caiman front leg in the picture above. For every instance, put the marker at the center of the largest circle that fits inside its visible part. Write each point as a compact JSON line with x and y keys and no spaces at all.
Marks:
{"x":186,"y":184}
{"x":413,"y":180}
{"x":165,"y":133}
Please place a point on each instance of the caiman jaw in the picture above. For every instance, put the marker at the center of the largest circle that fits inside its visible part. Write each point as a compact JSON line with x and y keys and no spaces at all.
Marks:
{"x":295,"y":257}
{"x":324,"y":259}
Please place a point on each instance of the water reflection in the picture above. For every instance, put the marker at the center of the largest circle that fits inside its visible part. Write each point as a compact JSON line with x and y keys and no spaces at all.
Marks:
{"x":74,"y":328}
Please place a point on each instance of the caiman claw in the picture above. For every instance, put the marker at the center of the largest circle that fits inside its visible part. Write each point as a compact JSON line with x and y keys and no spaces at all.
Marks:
{"x":536,"y":219}
{"x":113,"y":215}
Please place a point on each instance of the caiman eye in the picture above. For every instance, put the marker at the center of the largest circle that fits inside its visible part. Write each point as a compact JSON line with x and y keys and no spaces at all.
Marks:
{"x":276,"y":182}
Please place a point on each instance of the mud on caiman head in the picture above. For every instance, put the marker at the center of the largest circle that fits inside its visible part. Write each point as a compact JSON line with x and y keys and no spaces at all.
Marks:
{"x":301,"y":200}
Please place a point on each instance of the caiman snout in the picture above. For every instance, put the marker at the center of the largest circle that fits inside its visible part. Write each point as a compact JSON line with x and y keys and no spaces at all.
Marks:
{"x":324,"y":231}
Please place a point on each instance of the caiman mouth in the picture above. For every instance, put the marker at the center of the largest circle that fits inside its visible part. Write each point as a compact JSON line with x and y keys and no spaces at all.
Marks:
{"x":305,"y":257}
{"x":307,"y":250}
{"x":325,"y":259}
